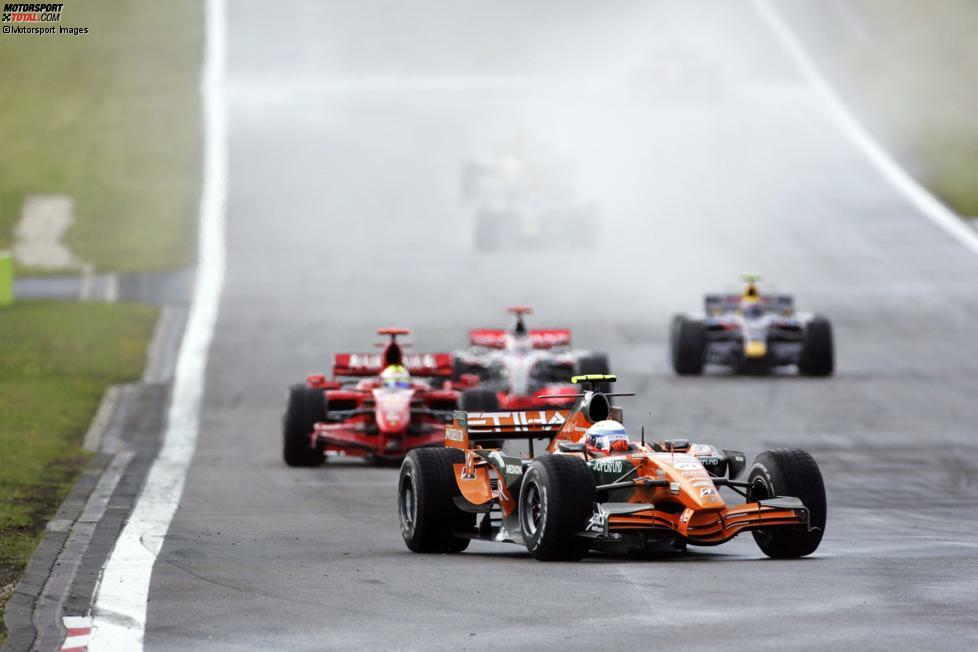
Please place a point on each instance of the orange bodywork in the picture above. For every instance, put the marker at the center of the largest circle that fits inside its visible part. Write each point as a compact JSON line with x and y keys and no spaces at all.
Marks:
{"x":679,"y":495}
{"x":708,"y":528}
{"x":474,"y":480}
{"x":474,"y":483}
{"x":691,"y":505}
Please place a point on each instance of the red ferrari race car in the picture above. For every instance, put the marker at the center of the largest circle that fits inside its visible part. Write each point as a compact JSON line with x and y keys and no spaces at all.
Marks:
{"x":377,"y":406}
{"x":522,"y":368}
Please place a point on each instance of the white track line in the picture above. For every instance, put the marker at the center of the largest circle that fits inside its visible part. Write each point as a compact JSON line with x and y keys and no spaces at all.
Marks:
{"x":888,"y":168}
{"x":119,"y":610}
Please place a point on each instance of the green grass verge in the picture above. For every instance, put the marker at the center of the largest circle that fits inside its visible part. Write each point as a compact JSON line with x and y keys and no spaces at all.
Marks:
{"x":111,"y":119}
{"x":908,"y":67}
{"x":56,"y":361}
{"x":920,"y":79}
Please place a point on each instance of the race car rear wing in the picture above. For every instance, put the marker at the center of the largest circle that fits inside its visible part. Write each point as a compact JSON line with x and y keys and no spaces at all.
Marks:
{"x":542,"y":338}
{"x":426,"y":365}
{"x":556,"y":425}
{"x":713,"y":303}
{"x":469,"y":428}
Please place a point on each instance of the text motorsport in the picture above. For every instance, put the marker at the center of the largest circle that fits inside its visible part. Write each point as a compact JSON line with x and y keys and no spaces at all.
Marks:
{"x":25,"y":13}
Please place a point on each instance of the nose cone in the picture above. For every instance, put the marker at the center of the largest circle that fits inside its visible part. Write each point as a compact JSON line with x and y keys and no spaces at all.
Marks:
{"x":755,"y":349}
{"x":393,"y":411}
{"x":696,"y":489}
{"x":393,"y":418}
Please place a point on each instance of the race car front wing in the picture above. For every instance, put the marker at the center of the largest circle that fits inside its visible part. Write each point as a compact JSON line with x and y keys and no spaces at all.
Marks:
{"x":703,"y":528}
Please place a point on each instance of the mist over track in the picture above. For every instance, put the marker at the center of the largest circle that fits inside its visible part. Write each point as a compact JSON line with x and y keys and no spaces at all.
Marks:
{"x":707,"y":155}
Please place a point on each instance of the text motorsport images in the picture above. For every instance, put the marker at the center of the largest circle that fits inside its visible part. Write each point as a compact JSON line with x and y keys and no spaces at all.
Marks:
{"x":26,"y":13}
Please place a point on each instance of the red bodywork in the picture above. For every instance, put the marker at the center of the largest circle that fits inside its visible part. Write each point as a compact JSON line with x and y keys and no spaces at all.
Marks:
{"x":366,"y":419}
{"x":542,"y":338}
{"x":555,"y":397}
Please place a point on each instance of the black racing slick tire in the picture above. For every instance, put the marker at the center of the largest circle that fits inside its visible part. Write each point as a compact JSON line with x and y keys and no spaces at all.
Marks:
{"x":306,"y":408}
{"x":596,"y":363}
{"x":556,"y":499}
{"x":688,"y":345}
{"x":460,"y":368}
{"x":479,"y":400}
{"x":818,"y":352}
{"x":426,"y":492}
{"x":789,"y":472}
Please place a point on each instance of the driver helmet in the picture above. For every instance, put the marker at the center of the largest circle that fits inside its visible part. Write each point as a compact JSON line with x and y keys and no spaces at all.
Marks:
{"x":751,"y":292}
{"x":752,"y":309}
{"x":607,"y":437}
{"x":395,"y":377}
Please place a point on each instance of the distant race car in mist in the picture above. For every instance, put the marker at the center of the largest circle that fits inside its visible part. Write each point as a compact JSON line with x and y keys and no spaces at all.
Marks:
{"x":752,"y":333}
{"x":681,"y":73}
{"x":377,"y":405}
{"x":521,"y":202}
{"x":522,"y":368}
{"x":597,"y":487}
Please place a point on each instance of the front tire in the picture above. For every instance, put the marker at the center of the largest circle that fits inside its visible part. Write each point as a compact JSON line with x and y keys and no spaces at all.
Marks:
{"x":789,"y":472}
{"x":306,"y":408}
{"x":688,"y":344}
{"x":426,"y":490}
{"x":818,"y":352}
{"x":556,"y":499}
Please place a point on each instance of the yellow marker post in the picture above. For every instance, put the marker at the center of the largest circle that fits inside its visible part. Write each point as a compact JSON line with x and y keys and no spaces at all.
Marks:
{"x":6,"y":279}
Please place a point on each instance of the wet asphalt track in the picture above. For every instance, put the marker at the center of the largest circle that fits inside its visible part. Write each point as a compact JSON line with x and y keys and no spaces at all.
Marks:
{"x":349,"y":123}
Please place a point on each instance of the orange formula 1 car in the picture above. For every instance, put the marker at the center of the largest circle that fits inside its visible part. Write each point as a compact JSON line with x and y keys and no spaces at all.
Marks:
{"x":377,"y":406}
{"x":595,"y":488}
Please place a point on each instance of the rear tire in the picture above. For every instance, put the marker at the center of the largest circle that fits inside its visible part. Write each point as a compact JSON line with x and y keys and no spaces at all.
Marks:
{"x":460,"y":368}
{"x":306,"y":408}
{"x":595,"y":364}
{"x":817,"y":353}
{"x":479,"y":400}
{"x":556,"y":499}
{"x":688,"y":344}
{"x":789,"y":472}
{"x":426,"y":490}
